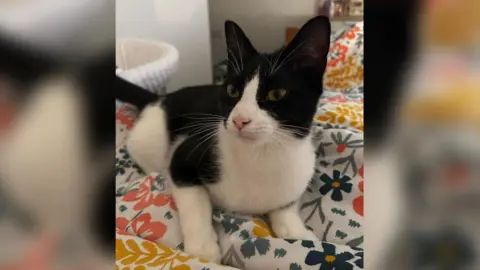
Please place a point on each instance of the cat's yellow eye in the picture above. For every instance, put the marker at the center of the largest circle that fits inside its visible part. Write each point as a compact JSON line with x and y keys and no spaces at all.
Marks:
{"x":277,"y":94}
{"x":233,"y":92}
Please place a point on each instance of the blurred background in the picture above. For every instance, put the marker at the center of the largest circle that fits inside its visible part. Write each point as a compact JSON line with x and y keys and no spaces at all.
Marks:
{"x":422,"y":135}
{"x":54,"y":107}
{"x":196,"y":28}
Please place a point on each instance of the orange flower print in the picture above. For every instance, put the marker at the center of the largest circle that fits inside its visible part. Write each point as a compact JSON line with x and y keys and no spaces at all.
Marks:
{"x":351,"y":34}
{"x":162,"y":200}
{"x":347,"y":73}
{"x":126,"y":116}
{"x":358,"y":202}
{"x":338,"y":53}
{"x":121,"y":225}
{"x":144,"y":227}
{"x":261,"y":229}
{"x":144,"y":195}
{"x":339,"y":98}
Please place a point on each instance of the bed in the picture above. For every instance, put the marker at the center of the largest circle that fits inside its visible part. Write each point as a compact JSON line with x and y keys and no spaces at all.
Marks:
{"x":147,"y":227}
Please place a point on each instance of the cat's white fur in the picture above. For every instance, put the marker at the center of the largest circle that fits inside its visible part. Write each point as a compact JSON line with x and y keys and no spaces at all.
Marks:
{"x":148,"y":142}
{"x":259,"y":174}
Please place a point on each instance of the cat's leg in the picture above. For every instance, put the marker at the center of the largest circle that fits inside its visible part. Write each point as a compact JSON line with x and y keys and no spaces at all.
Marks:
{"x":287,"y":223}
{"x":192,"y":200}
{"x":195,"y":211}
{"x":148,"y":142}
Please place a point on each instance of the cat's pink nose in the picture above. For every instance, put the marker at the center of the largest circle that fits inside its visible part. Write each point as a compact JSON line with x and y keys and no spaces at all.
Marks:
{"x":240,"y":121}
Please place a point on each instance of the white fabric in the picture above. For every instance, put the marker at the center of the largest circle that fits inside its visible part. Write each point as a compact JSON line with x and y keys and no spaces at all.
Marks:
{"x":145,"y":63}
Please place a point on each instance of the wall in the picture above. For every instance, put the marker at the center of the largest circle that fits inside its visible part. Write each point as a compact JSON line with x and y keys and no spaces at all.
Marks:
{"x":65,"y":29}
{"x":182,"y":23}
{"x":264,"y":21}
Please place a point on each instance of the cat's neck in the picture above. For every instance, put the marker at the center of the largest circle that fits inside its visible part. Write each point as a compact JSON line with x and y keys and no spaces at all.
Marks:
{"x":232,"y":144}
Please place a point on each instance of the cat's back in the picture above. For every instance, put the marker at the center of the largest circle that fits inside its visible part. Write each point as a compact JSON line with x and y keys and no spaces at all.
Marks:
{"x":195,"y":99}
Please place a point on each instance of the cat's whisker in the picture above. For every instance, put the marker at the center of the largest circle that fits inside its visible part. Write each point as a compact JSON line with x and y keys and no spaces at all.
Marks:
{"x":211,"y":114}
{"x":203,"y":117}
{"x":207,"y":121}
{"x":201,"y":124}
{"x":286,"y":132}
{"x":204,"y":121}
{"x":298,"y":129}
{"x":205,"y":138}
{"x":197,"y":124}
{"x":200,"y":117}
{"x":293,"y":126}
{"x":204,"y":152}
{"x":199,"y":131}
{"x":293,"y":129}
{"x":294,"y":132}
{"x":204,"y":133}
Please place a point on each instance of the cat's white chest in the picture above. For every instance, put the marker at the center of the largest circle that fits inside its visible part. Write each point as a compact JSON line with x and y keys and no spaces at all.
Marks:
{"x":256,"y":181}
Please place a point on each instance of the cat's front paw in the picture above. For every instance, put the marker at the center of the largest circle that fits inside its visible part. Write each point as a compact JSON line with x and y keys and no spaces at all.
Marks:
{"x":292,"y":230}
{"x":204,"y":248}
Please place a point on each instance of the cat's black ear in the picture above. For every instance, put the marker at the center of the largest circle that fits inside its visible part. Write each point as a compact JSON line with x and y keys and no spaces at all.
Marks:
{"x":239,"y":47}
{"x":310,"y":46}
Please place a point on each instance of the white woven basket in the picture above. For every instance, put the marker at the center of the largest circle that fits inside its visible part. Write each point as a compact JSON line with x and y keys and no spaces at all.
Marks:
{"x":148,"y":64}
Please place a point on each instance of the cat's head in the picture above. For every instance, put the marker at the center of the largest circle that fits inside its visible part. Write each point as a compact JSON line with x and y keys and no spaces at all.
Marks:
{"x":274,"y":96}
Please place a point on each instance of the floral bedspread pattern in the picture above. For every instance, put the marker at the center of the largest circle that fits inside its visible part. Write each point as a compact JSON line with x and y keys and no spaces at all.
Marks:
{"x":147,"y":225}
{"x":345,"y":60}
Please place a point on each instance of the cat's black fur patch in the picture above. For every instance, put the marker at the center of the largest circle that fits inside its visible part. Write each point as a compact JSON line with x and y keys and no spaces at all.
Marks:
{"x":194,"y":163}
{"x":191,"y":106}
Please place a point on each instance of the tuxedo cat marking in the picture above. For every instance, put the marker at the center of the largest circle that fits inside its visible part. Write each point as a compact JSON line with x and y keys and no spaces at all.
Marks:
{"x":244,"y":146}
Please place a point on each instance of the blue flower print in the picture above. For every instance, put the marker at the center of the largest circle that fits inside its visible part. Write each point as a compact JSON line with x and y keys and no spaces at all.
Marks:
{"x":123,"y":151}
{"x":359,"y":261}
{"x":329,"y":259}
{"x":337,"y":184}
{"x":122,"y":165}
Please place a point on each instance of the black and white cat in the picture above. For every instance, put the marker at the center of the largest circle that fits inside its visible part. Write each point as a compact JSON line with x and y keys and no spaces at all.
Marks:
{"x":245,"y":146}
